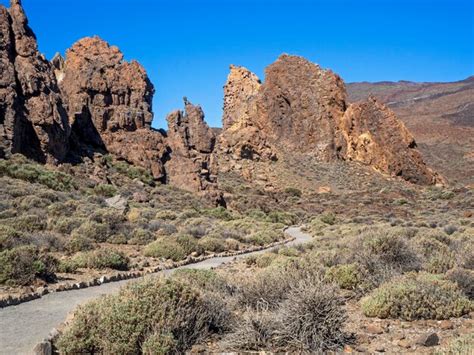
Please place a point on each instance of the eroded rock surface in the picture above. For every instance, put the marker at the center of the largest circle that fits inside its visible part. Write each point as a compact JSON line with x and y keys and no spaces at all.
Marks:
{"x":302,"y":109}
{"x":375,"y":136}
{"x":32,"y":119}
{"x":191,"y":165}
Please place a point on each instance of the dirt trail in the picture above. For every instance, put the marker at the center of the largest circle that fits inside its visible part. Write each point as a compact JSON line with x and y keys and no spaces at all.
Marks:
{"x":27,"y":324}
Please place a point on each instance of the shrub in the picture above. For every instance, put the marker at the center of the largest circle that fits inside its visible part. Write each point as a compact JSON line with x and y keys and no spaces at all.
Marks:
{"x":264,"y":260}
{"x":219,"y":213}
{"x":292,"y":191}
{"x":117,"y":239}
{"x":264,"y":237}
{"x":346,"y":276}
{"x":27,"y":223}
{"x":92,"y":230}
{"x":285,"y":218}
{"x":189,"y":244}
{"x":166,"y":215}
{"x":9,"y":237}
{"x":79,"y":243}
{"x":214,"y":245}
{"x":312,"y":318}
{"x":19,"y":167}
{"x":166,"y":248}
{"x":416,"y":296}
{"x":464,"y":279}
{"x":437,"y":256}
{"x":66,"y":225}
{"x":155,"y":315}
{"x":105,"y":190}
{"x":142,"y":237}
{"x":383,"y":254}
{"x":102,"y":259}
{"x":68,"y":266}
{"x":255,"y":330}
{"x":328,"y":218}
{"x":461,"y":345}
{"x":20,"y":266}
{"x":207,"y":280}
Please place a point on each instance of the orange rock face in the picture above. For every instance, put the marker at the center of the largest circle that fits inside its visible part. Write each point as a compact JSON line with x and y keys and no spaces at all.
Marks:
{"x":375,"y":136}
{"x":191,"y":165}
{"x":302,"y":108}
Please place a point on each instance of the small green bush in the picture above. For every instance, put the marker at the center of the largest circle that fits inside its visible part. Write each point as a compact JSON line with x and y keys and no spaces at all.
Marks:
{"x":22,"y":265}
{"x":98,"y":232}
{"x":105,"y":190}
{"x":213,"y":245}
{"x":328,"y":218}
{"x":219,"y":213}
{"x":102,"y":259}
{"x":27,"y":223}
{"x":189,"y":244}
{"x":79,"y":243}
{"x":293,"y":191}
{"x":416,"y":296}
{"x":285,"y":218}
{"x":141,"y":236}
{"x":18,"y":167}
{"x":166,"y":248}
{"x":65,"y":225}
{"x":346,"y":276}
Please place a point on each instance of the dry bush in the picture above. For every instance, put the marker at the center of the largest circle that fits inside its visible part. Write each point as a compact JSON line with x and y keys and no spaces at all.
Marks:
{"x":416,"y":296}
{"x":312,"y":318}
{"x":155,"y":315}
{"x":254,"y":330}
{"x":464,"y":278}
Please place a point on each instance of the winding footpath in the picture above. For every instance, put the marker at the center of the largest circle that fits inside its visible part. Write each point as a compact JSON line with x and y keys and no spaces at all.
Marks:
{"x":27,"y":324}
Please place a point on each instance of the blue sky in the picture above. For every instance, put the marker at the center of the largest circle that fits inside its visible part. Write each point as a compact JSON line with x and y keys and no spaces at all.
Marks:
{"x":186,"y":46}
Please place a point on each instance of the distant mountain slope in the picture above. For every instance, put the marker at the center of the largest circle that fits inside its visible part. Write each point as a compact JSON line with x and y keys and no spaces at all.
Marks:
{"x":440,"y":116}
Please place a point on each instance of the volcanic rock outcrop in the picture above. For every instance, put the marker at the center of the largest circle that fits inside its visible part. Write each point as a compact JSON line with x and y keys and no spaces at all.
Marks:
{"x":94,"y":101}
{"x":32,"y":119}
{"x":302,"y":108}
{"x":191,"y":165}
{"x":109,"y":104}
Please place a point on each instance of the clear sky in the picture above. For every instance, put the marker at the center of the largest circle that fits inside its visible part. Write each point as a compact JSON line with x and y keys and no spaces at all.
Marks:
{"x":186,"y":46}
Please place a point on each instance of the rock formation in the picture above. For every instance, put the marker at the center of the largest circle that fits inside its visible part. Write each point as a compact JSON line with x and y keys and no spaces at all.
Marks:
{"x":375,"y":136}
{"x":301,"y":108}
{"x":191,"y":165}
{"x":94,"y":101}
{"x":241,"y":138}
{"x":109,"y":104}
{"x":32,"y":119}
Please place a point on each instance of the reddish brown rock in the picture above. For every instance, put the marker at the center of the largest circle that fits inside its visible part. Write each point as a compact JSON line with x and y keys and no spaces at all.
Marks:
{"x":33,"y":121}
{"x":191,"y":165}
{"x":299,"y":106}
{"x":376,"y":137}
{"x":109,"y":104}
{"x":301,"y":109}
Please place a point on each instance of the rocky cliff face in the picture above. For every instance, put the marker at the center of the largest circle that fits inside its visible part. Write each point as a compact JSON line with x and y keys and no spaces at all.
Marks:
{"x":191,"y":165}
{"x":109,"y":102}
{"x":301,"y":108}
{"x":375,"y":136}
{"x":32,"y":119}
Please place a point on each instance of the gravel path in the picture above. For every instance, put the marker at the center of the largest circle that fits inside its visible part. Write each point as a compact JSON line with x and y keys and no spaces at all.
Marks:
{"x":27,"y":324}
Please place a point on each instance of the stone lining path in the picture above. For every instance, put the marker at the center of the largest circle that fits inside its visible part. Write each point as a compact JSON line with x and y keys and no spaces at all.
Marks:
{"x":27,"y":324}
